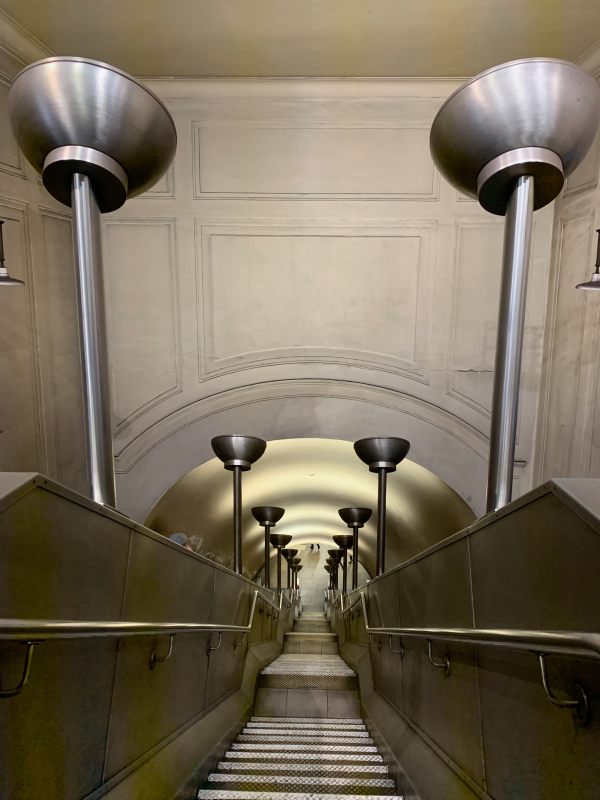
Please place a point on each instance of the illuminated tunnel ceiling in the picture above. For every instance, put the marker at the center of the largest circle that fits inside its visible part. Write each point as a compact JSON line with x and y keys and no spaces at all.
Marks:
{"x":311,"y":479}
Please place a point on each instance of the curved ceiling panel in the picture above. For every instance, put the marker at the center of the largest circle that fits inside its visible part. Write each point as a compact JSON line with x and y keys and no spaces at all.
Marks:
{"x":311,"y":479}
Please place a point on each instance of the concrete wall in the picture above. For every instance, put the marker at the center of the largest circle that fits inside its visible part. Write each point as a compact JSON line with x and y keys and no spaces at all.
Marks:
{"x":94,"y":718}
{"x":486,"y":730}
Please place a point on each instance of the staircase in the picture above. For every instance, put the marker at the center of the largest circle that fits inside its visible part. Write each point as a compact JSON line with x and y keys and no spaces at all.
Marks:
{"x":306,"y":741}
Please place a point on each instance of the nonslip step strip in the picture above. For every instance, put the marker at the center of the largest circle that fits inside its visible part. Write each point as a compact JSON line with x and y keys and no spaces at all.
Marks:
{"x":287,"y":720}
{"x":329,"y":747}
{"x":228,"y":794}
{"x":304,"y":781}
{"x":284,"y":723}
{"x":321,"y":738}
{"x":303,"y":757}
{"x":289,"y":732}
{"x":362,"y":770}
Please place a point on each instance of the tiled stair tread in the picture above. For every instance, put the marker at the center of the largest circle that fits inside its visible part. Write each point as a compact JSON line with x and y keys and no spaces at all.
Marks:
{"x":228,"y":794}
{"x":299,"y":657}
{"x":306,"y":768}
{"x":306,"y":781}
{"x":329,"y":747}
{"x":280,"y":730}
{"x":300,"y":725}
{"x":307,"y":720}
{"x":334,"y":666}
{"x":303,"y":732}
{"x":325,"y":757}
{"x":322,"y":738}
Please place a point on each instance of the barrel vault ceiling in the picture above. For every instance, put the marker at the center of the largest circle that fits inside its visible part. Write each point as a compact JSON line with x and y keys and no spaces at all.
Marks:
{"x":311,"y":479}
{"x":287,"y":38}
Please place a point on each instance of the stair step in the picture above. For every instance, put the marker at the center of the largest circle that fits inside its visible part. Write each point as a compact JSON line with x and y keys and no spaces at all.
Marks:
{"x":302,"y":732}
{"x":330,"y":637}
{"x":319,"y":738}
{"x":308,"y":747}
{"x":228,"y":794}
{"x":309,"y":756}
{"x":311,"y":768}
{"x":301,"y":783}
{"x":310,"y":720}
{"x":322,"y":722}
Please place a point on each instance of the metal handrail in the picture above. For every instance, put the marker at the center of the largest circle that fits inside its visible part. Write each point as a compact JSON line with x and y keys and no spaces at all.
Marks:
{"x":33,"y":632}
{"x":40,"y":630}
{"x":576,"y":643}
{"x":579,"y":644}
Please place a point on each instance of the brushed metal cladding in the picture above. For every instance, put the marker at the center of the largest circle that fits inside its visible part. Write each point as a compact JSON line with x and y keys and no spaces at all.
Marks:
{"x":43,"y":739}
{"x":225,"y":668}
{"x":165,"y":584}
{"x":63,"y":101}
{"x":548,"y":755}
{"x":537,"y":568}
{"x":148,"y":705}
{"x":383,"y":602}
{"x":50,"y":553}
{"x":435,"y":591}
{"x":445,"y":708}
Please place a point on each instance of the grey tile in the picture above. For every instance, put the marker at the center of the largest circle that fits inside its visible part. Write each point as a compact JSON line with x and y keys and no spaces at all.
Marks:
{"x":270,"y":702}
{"x":306,"y":703}
{"x":343,"y":704}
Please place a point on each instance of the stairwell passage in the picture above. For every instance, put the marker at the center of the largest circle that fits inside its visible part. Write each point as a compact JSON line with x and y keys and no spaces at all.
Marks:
{"x":306,"y":741}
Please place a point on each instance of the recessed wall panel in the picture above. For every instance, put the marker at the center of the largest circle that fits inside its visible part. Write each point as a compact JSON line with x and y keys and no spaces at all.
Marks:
{"x":273,"y":296}
{"x":140,"y":263}
{"x":323,"y":161}
{"x":477,"y":271}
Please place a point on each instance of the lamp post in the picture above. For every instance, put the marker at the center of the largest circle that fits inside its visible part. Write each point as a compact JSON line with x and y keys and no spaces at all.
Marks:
{"x":509,"y":137}
{"x":288,"y":554}
{"x":267,"y":517}
{"x":97,"y":136}
{"x":295,"y":570}
{"x":238,"y":453}
{"x":344,"y":542}
{"x":279,"y":540}
{"x":355,"y":518}
{"x":382,"y":455}
{"x":329,"y":570}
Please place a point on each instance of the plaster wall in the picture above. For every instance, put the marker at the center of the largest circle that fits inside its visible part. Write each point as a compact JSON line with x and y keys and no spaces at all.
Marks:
{"x":301,"y":270}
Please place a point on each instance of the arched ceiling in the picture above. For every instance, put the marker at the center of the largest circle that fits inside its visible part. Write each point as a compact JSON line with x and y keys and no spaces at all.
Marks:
{"x":284,"y":38}
{"x":311,"y":479}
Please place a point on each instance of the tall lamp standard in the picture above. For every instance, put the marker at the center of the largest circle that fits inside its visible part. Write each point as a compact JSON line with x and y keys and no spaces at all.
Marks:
{"x":238,"y":453}
{"x":382,"y":455}
{"x":344,"y":542}
{"x":334,"y":559}
{"x":509,"y":137}
{"x":329,"y":570}
{"x":288,"y":554}
{"x":295,"y":570}
{"x":355,"y":518}
{"x":267,"y":517}
{"x":279,"y":541}
{"x":97,"y":136}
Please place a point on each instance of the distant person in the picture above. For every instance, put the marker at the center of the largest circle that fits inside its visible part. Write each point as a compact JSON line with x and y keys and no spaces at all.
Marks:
{"x":181,"y":539}
{"x":312,"y":547}
{"x":318,"y":546}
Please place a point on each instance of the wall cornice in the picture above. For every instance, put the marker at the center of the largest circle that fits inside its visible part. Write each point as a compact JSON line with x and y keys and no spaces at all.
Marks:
{"x":18,"y":47}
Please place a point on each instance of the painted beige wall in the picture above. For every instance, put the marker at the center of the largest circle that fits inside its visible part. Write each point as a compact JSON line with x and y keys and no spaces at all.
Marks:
{"x":300,"y":271}
{"x":569,"y":432}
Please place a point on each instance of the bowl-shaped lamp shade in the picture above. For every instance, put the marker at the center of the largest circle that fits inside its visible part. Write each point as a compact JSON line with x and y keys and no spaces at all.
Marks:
{"x":296,"y":561}
{"x":382,"y":452}
{"x":530,"y":105}
{"x":267,"y":515}
{"x":238,"y":451}
{"x":99,"y":115}
{"x":279,"y":539}
{"x":335,"y":554}
{"x":289,"y":553}
{"x":344,"y":540}
{"x":355,"y":517}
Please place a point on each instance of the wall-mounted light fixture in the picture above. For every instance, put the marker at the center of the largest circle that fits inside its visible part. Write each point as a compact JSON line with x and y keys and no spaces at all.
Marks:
{"x":594,"y":281}
{"x":5,"y":278}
